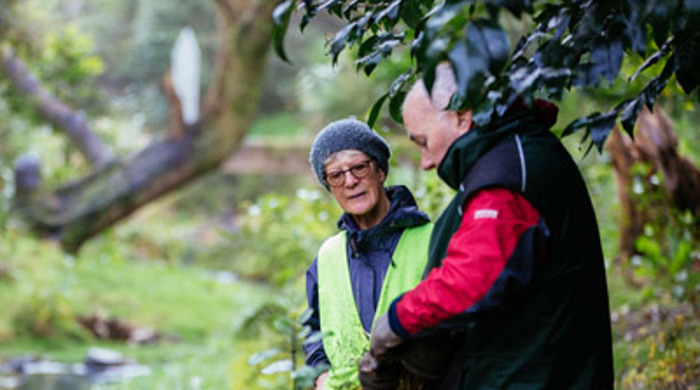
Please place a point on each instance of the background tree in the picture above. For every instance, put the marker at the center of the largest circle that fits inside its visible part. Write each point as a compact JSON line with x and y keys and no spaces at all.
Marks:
{"x":114,"y":189}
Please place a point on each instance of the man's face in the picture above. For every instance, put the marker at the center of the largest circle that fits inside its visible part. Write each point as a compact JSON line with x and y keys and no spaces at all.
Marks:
{"x":432,"y":128}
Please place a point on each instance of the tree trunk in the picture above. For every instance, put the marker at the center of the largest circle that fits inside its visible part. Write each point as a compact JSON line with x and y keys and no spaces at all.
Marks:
{"x":654,"y":149}
{"x":74,"y":213}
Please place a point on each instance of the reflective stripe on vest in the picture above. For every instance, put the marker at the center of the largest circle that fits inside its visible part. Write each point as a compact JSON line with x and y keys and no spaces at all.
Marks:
{"x":344,"y":338}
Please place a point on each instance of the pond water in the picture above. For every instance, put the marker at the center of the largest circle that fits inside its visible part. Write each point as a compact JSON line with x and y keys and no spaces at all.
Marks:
{"x":100,"y":366}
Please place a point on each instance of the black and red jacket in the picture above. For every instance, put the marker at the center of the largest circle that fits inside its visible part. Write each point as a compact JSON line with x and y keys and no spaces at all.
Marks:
{"x":515,"y":264}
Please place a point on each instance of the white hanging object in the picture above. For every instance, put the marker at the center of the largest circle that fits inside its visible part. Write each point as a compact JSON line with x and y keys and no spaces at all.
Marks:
{"x":185,"y":63}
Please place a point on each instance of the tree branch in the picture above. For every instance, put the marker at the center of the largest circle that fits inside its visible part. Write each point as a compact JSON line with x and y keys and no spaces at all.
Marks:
{"x":74,"y":213}
{"x":73,"y":123}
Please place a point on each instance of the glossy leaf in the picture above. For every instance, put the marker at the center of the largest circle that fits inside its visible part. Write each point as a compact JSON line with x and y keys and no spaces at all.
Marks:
{"x":576,"y":126}
{"x":340,"y":40}
{"x":395,"y":105}
{"x":390,"y":15}
{"x":688,"y":52}
{"x":411,"y":13}
{"x":376,"y":109}
{"x":600,"y":128}
{"x":607,"y":60}
{"x":629,"y":115}
{"x":653,"y":59}
{"x":281,"y":16}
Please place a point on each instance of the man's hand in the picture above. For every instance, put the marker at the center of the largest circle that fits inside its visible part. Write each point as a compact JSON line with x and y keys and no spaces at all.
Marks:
{"x":375,"y":376}
{"x":383,"y":340}
{"x":321,"y":381}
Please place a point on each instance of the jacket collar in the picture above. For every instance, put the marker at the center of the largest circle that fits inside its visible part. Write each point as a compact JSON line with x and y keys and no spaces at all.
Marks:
{"x":468,"y":148}
{"x":403,"y":212}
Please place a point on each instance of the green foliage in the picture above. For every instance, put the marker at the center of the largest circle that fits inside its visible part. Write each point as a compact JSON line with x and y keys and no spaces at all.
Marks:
{"x":658,"y":347}
{"x":670,"y":246}
{"x":67,"y":61}
{"x":296,"y":225}
{"x":567,"y":45}
{"x":281,"y":366}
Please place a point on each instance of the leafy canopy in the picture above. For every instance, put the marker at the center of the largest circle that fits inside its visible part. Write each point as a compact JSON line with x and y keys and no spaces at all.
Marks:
{"x":567,"y":44}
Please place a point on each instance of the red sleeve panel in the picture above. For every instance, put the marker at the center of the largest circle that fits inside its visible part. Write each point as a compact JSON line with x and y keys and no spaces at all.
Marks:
{"x":491,"y":256}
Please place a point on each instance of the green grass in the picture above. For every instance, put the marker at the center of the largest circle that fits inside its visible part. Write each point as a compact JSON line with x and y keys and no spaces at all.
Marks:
{"x":286,"y":125}
{"x":197,"y":315}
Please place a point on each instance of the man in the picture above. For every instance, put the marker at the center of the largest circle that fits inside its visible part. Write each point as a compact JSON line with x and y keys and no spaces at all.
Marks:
{"x":515,"y":269}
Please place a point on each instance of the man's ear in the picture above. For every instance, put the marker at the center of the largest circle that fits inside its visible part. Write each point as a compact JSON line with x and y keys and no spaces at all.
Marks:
{"x":464,"y":121}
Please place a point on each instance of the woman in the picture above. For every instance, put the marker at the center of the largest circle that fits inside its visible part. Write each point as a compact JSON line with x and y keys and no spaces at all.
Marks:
{"x":351,"y":282}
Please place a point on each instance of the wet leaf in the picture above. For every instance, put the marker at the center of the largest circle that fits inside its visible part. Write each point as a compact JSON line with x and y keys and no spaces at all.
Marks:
{"x":411,"y":13}
{"x":607,"y":60}
{"x":600,"y":128}
{"x":376,"y":109}
{"x":339,"y":41}
{"x":395,"y":105}
{"x":281,"y":16}
{"x":629,"y":115}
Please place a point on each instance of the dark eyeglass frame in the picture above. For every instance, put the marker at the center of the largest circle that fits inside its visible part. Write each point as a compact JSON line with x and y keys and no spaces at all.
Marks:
{"x":359,"y":170}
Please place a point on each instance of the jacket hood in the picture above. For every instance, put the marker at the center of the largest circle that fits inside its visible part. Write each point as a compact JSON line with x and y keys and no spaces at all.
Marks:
{"x":468,"y":148}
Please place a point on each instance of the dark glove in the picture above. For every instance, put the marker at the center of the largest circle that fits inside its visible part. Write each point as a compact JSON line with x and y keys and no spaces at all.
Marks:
{"x":383,"y":340}
{"x":429,"y":357}
{"x":378,"y":376}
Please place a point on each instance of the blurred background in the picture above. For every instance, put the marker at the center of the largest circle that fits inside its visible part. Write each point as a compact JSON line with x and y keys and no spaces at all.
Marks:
{"x":203,"y":287}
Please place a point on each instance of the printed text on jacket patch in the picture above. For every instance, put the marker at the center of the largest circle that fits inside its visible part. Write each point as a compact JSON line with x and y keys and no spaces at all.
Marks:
{"x":486,"y":214}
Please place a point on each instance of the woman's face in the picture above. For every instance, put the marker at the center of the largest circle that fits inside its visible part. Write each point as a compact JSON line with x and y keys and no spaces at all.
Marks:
{"x":357,"y":196}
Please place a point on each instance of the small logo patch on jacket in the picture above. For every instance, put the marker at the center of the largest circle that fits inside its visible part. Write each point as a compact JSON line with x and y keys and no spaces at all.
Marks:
{"x":486,"y":214}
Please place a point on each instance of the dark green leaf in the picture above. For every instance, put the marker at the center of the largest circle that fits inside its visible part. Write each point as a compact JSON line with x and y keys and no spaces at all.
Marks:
{"x":411,"y":13}
{"x":436,"y":53}
{"x":636,"y":33}
{"x":351,"y":6}
{"x":688,"y":62}
{"x":445,"y":14}
{"x":600,"y":128}
{"x":607,"y":59}
{"x":369,"y":62}
{"x":340,"y":40}
{"x":470,"y":66}
{"x":495,"y":42}
{"x":629,"y":115}
{"x":280,"y":17}
{"x":653,"y":89}
{"x":660,"y":17}
{"x":576,"y":125}
{"x":653,"y":59}
{"x":399,"y":82}
{"x":367,"y":46}
{"x":483,"y":113}
{"x":390,"y":15}
{"x":376,"y":109}
{"x":395,"y":106}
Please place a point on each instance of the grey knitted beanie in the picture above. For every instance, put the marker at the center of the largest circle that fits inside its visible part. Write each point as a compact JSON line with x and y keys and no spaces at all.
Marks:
{"x":347,"y":134}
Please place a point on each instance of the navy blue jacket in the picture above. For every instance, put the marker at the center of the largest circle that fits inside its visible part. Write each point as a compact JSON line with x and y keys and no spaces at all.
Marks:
{"x":369,"y":255}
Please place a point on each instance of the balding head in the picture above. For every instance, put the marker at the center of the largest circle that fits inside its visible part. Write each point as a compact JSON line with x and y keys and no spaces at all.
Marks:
{"x":428,"y":124}
{"x":444,"y":87}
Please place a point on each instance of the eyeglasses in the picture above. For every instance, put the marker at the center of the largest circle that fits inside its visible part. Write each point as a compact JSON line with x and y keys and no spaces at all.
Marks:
{"x":359,"y":170}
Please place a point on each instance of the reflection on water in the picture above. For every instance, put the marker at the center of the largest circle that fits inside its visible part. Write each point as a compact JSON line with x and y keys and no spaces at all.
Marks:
{"x":100,"y":366}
